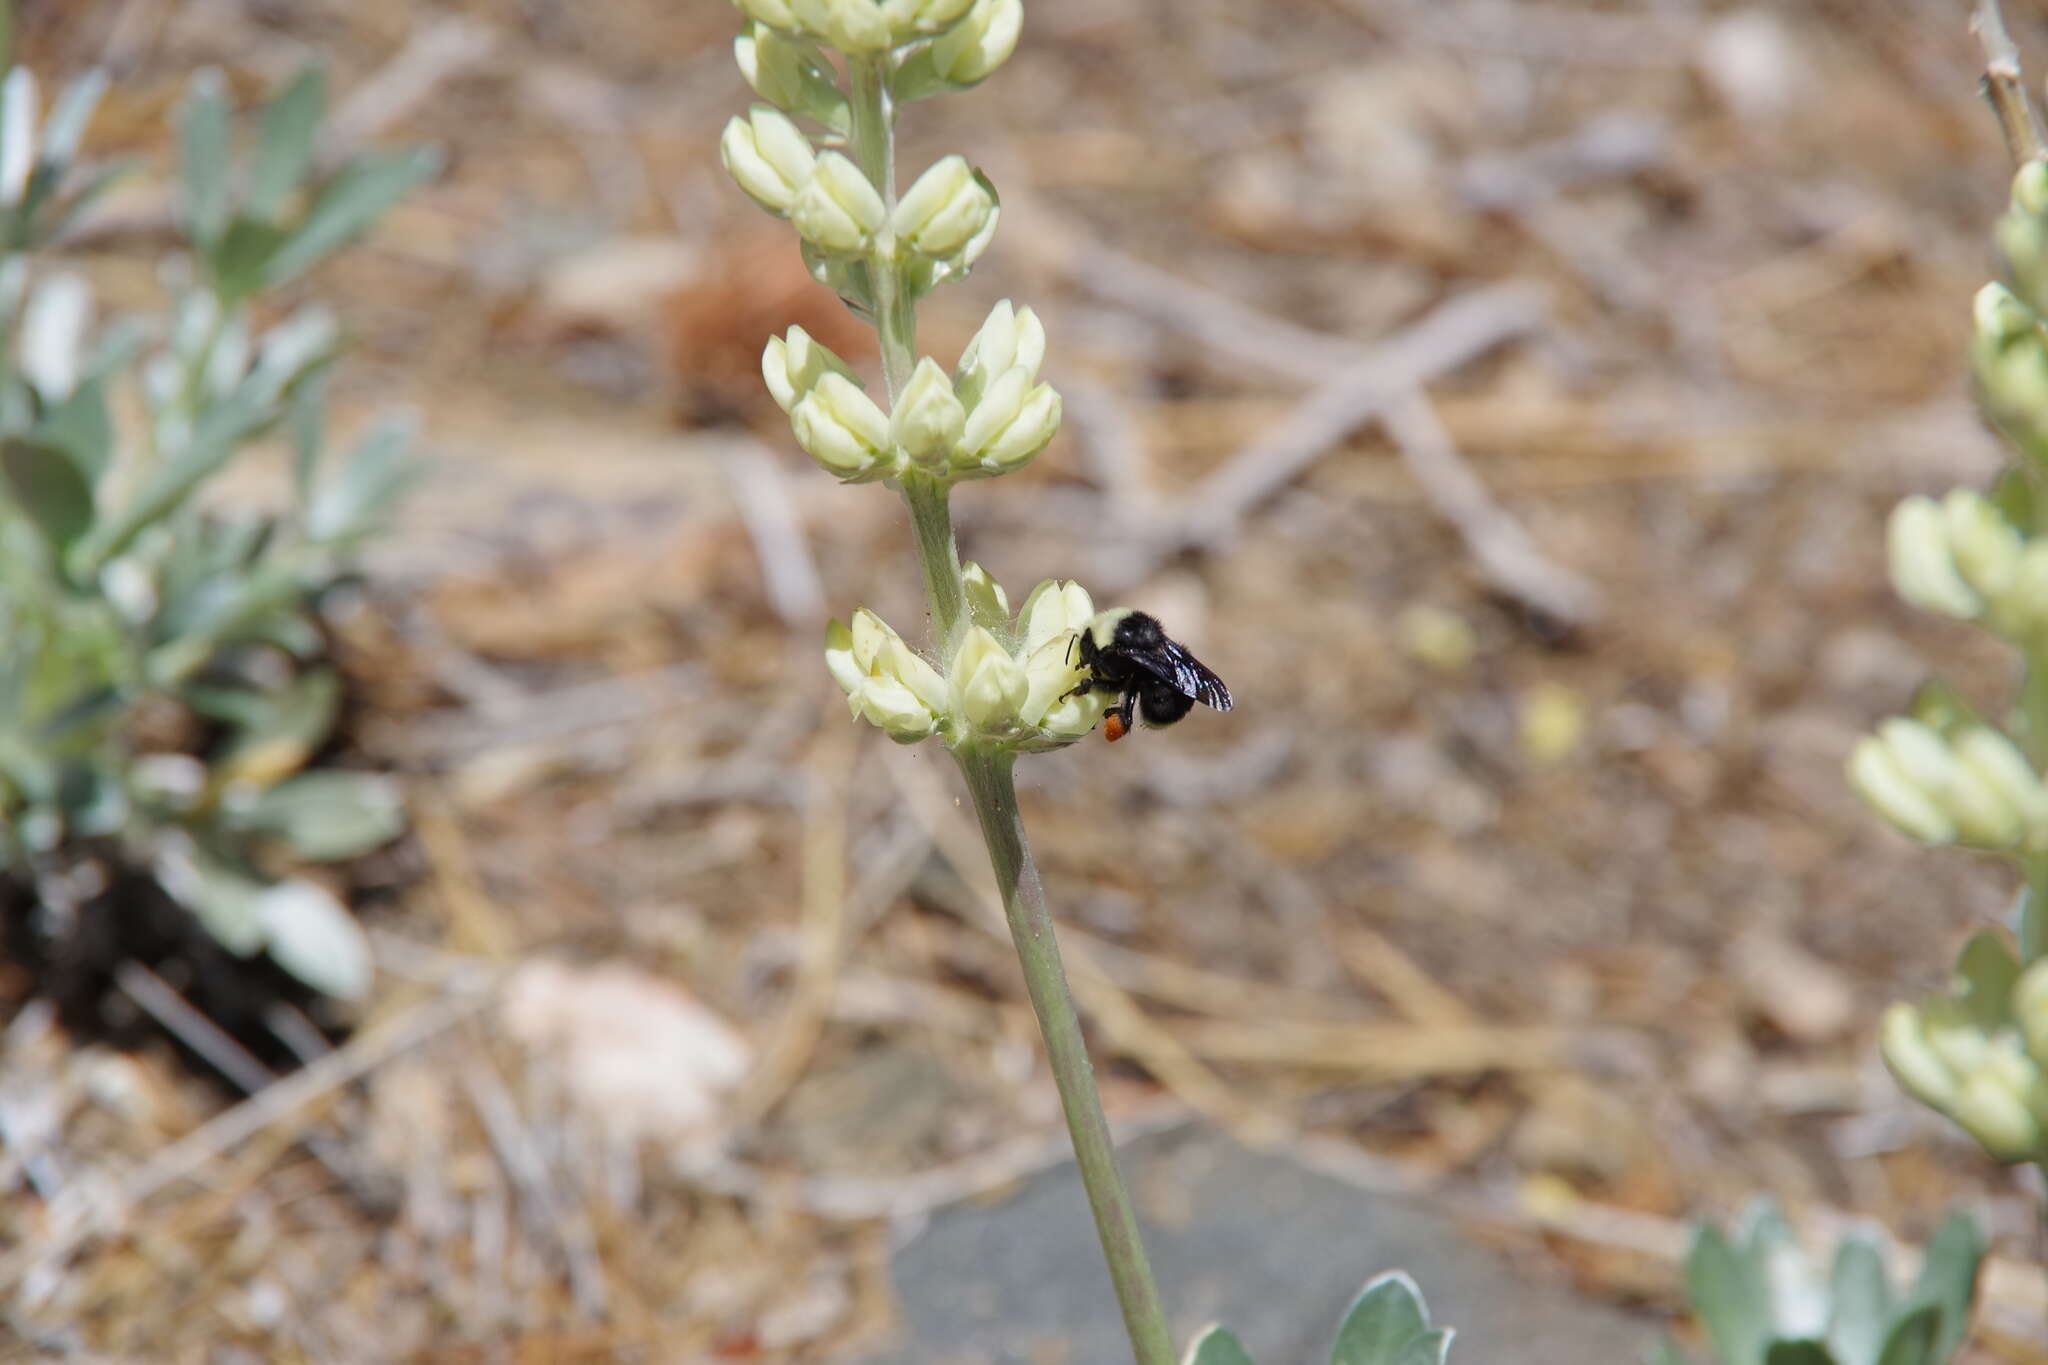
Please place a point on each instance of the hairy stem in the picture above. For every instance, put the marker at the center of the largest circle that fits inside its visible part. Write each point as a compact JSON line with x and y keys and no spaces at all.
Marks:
{"x":2004,"y":88}
{"x":995,"y":802}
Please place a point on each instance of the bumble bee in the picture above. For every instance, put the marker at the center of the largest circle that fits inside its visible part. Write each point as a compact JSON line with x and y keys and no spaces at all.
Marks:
{"x":1126,"y":651}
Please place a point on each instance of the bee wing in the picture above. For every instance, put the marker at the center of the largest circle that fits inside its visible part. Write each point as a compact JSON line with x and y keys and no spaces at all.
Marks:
{"x":1173,"y":665}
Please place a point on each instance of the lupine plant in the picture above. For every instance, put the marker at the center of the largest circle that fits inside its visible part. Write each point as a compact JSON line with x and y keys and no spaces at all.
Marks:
{"x":1762,"y":1301}
{"x":164,"y":683}
{"x":990,"y":684}
{"x":1949,"y":774}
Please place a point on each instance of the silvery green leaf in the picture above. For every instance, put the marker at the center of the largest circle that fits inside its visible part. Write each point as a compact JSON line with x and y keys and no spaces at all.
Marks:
{"x":1948,"y":1279}
{"x":353,"y":501}
{"x":219,"y":435}
{"x":50,"y":487}
{"x":51,"y":347}
{"x":223,"y":901}
{"x":306,"y":423}
{"x":1732,"y":1304}
{"x":293,"y":721}
{"x":1431,"y":1348}
{"x":81,"y":197}
{"x":1216,"y":1345}
{"x":1667,"y":1353}
{"x":312,"y":935}
{"x":327,"y":815}
{"x":70,"y":115}
{"x":238,"y":261}
{"x":1860,"y":1303}
{"x":204,"y":159}
{"x":82,"y":428}
{"x":285,"y":150}
{"x":292,"y":349}
{"x":17,"y":135}
{"x":1381,"y":1324}
{"x":347,"y":205}
{"x":1914,"y":1339}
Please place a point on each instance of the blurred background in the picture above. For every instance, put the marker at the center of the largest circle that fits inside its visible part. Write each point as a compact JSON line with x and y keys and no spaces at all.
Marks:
{"x":1504,"y":398}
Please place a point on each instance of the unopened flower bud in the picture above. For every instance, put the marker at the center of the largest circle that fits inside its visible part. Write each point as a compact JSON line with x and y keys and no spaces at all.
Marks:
{"x":838,"y":210}
{"x":944,"y":209}
{"x":1010,"y":424}
{"x":1010,"y":338}
{"x":886,"y":682}
{"x":1923,"y":571}
{"x":2023,"y":233}
{"x":1996,"y":1103}
{"x":768,"y":157}
{"x":2009,"y":352}
{"x":782,"y":73}
{"x":842,"y":429}
{"x":1055,"y":610}
{"x":2015,"y":787}
{"x":1907,"y":1051}
{"x":908,"y":19}
{"x":979,"y":43}
{"x":2030,"y":1008}
{"x":793,"y":366}
{"x":987,"y":604}
{"x":773,"y":13}
{"x":1985,"y":546}
{"x":989,"y":687}
{"x":928,"y":419}
{"x":1889,"y":789}
{"x":855,"y":27}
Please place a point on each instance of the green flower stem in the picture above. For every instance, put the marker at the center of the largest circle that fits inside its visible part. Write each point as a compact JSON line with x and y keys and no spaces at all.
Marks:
{"x":874,"y":151}
{"x":1002,"y":828}
{"x":988,"y":775}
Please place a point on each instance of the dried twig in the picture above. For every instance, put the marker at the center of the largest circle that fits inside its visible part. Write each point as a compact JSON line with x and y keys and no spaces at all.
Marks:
{"x":788,"y":570}
{"x":155,"y":997}
{"x":73,"y":1220}
{"x":1504,"y":551}
{"x":549,"y":1217}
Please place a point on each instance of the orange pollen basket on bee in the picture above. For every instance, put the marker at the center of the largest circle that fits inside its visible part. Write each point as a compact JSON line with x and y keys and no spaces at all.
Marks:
{"x":1113,"y":728}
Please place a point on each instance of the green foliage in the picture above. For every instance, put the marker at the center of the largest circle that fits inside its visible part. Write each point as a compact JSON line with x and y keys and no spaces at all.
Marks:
{"x":1762,"y":1302}
{"x":1387,"y":1324}
{"x":162,"y":687}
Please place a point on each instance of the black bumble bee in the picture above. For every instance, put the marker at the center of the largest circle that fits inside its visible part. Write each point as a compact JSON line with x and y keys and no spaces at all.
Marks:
{"x":1126,"y":651}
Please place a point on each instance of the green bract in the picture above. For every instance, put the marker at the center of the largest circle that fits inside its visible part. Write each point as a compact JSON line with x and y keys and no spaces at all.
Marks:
{"x":163,"y":685}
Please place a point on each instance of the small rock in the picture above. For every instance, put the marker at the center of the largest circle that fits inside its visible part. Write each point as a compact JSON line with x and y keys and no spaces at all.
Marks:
{"x":1789,"y":988}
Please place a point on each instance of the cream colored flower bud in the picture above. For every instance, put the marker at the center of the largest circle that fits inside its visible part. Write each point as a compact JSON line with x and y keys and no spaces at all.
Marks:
{"x":2023,"y":232}
{"x":1984,"y":545}
{"x":979,"y":43}
{"x":1918,"y":1068}
{"x":944,"y":209}
{"x":1923,"y":571}
{"x":987,"y":604}
{"x":842,"y":429}
{"x":792,"y":366}
{"x":2009,"y":353}
{"x":768,"y":157}
{"x":1886,"y":787}
{"x":1998,"y":762}
{"x":2030,"y":1008}
{"x":774,"y":13}
{"x":1055,"y":609}
{"x":989,"y":687}
{"x":1009,"y":425}
{"x":908,"y":19}
{"x":1995,"y":1104}
{"x":1011,"y":338}
{"x":838,"y":210}
{"x":855,"y":27}
{"x":928,"y":419}
{"x":781,"y":72}
{"x":885,"y":681}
